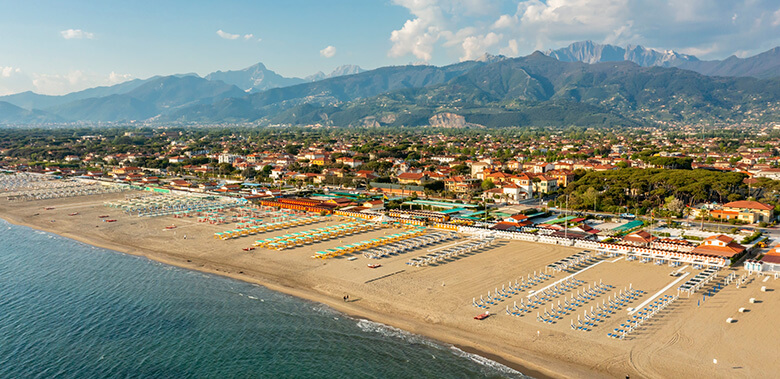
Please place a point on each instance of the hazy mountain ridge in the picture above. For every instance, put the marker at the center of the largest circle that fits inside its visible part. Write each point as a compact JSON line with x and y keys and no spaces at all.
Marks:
{"x":32,"y":100}
{"x":12,"y":114}
{"x":258,"y":78}
{"x":148,"y":100}
{"x":764,"y":65}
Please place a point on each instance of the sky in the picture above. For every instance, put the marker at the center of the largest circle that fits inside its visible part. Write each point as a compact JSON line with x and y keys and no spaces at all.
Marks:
{"x":56,"y":47}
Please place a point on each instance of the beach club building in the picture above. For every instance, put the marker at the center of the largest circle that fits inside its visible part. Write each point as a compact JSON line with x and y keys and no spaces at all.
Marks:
{"x":769,"y":263}
{"x":639,"y":238}
{"x":719,"y":245}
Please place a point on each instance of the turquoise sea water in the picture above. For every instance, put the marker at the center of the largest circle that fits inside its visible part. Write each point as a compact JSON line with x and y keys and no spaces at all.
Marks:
{"x":70,"y":310}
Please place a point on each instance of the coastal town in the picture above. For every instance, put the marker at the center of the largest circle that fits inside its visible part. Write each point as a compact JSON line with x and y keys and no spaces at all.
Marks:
{"x":625,"y":242}
{"x":390,"y":189}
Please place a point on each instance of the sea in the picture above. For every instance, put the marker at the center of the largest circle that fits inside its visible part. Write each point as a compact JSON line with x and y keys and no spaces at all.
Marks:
{"x":71,"y":310}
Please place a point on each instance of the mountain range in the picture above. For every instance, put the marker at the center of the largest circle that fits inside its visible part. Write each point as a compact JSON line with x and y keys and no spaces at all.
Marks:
{"x":532,"y":90}
{"x":583,"y":84}
{"x":764,"y":65}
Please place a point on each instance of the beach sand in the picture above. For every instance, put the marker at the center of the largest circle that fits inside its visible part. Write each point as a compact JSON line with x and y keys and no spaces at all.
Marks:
{"x":435,"y":301}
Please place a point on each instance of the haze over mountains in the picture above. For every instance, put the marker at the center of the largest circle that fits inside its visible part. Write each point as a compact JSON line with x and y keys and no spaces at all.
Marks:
{"x":258,"y":78}
{"x":614,"y":85}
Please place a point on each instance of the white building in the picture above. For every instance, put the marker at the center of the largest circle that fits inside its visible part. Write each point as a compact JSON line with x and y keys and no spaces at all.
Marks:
{"x":228,"y":158}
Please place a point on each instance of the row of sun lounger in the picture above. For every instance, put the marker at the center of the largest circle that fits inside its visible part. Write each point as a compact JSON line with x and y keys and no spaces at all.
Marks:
{"x":568,"y":305}
{"x":341,"y":250}
{"x":505,"y":292}
{"x":254,"y":229}
{"x":564,"y":307}
{"x":408,"y":245}
{"x":646,"y":313}
{"x":315,"y":235}
{"x":59,"y":190}
{"x":571,"y":261}
{"x":591,"y":319}
{"x":164,"y":205}
{"x":454,"y":251}
{"x":694,"y":284}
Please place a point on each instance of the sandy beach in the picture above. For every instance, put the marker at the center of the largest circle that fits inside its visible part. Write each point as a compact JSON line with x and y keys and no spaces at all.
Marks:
{"x":683,"y":340}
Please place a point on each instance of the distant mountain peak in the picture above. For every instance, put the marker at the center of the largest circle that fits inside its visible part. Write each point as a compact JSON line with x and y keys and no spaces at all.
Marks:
{"x":254,"y":78}
{"x":347,"y":69}
{"x":592,"y":52}
{"x":490,"y":58}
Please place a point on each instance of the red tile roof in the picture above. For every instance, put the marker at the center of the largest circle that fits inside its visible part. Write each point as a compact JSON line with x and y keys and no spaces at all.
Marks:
{"x":771,"y":258}
{"x":749,"y":205}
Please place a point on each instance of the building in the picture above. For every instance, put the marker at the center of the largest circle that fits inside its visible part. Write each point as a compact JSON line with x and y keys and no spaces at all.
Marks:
{"x":397,"y":189}
{"x":348,"y":161}
{"x":514,"y":193}
{"x":228,"y":158}
{"x":376,"y":205}
{"x":413,"y":178}
{"x":564,"y":177}
{"x":719,"y":245}
{"x":545,"y":184}
{"x":478,"y":167}
{"x":639,"y":238}
{"x":459,"y":184}
{"x":746,"y":211}
{"x":769,"y":263}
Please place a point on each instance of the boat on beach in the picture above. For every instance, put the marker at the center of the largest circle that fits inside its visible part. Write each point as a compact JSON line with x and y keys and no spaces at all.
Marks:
{"x":482,"y":316}
{"x":374,"y":265}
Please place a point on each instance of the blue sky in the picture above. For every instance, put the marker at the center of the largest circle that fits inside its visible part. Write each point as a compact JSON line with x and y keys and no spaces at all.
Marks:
{"x":55,"y":47}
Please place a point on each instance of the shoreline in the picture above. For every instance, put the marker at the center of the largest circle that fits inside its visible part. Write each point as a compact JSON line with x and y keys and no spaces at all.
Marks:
{"x":435,"y":301}
{"x":356,"y":312}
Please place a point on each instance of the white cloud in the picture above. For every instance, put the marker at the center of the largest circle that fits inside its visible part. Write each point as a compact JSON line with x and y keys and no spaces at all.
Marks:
{"x":475,"y":46}
{"x":230,"y":36}
{"x":700,"y":51}
{"x":414,"y":38}
{"x":462,"y":27}
{"x":511,"y":49}
{"x":13,"y":80}
{"x":76,"y":34}
{"x":226,"y":35}
{"x":328,"y":52}
{"x":6,"y":72}
{"x":505,"y":21}
{"x":114,"y":78}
